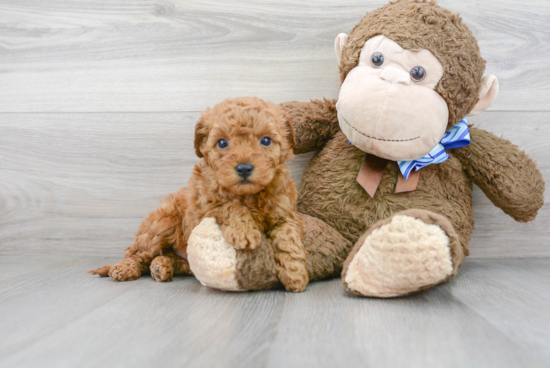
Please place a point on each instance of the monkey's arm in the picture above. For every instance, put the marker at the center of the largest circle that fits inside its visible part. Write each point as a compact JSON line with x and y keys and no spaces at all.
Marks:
{"x":508,"y":176}
{"x":315,"y":122}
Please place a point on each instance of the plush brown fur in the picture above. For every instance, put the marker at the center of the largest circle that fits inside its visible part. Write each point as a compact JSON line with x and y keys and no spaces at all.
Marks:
{"x":329,"y":190}
{"x":265,"y":203}
{"x":416,"y":25}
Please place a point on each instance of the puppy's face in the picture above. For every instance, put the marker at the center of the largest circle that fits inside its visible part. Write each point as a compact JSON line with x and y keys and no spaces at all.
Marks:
{"x":244,"y":141}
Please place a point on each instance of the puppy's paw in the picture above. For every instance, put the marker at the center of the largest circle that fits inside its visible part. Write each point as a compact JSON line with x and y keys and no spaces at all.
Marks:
{"x":293,"y":276}
{"x":125,"y":270}
{"x":161,"y":269}
{"x":242,"y":236}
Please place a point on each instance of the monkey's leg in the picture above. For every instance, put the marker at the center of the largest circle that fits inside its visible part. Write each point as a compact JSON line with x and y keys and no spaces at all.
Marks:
{"x":215,"y":262}
{"x":326,"y":251}
{"x":160,"y":230}
{"x":408,"y":252}
{"x":326,"y":248}
{"x":168,"y":265}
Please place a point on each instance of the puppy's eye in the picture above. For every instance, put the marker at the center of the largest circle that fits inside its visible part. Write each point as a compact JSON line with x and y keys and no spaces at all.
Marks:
{"x":418,"y":73}
{"x":222,"y":143}
{"x":265,"y":141}
{"x":377,"y":59}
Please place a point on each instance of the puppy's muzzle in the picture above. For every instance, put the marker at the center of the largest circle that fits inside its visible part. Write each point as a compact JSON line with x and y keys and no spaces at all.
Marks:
{"x":244,"y":170}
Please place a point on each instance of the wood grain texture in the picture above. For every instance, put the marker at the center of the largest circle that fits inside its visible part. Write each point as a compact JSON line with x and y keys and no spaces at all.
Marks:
{"x":177,"y":55}
{"x":494,"y":314}
{"x":98,"y":101}
{"x":82,"y":182}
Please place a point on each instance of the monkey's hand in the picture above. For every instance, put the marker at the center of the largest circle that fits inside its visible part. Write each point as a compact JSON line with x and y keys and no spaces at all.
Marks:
{"x":315,"y":122}
{"x":508,"y":176}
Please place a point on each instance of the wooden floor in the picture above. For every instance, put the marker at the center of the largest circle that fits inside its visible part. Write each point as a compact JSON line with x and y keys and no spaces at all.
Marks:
{"x":98,"y":102}
{"x":496,"y":313}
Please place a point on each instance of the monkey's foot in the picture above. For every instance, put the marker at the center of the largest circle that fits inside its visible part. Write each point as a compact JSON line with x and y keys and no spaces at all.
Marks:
{"x":216,"y":263}
{"x":408,"y":252}
{"x":211,"y":258}
{"x":161,"y":269}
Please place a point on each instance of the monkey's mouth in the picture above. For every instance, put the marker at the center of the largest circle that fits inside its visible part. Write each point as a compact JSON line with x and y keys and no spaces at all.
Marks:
{"x":371,"y":137}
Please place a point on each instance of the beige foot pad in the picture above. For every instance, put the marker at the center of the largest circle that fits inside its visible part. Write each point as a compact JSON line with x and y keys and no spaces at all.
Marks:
{"x":399,"y":258}
{"x":212,"y":260}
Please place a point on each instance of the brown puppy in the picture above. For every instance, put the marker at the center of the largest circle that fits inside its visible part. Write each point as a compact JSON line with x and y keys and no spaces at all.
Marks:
{"x":242,"y":181}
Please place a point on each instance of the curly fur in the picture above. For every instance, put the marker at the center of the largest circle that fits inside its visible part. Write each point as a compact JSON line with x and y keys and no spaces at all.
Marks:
{"x":265,"y":203}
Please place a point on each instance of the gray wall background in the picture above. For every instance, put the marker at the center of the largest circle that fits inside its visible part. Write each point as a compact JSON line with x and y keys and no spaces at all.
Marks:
{"x":98,"y":101}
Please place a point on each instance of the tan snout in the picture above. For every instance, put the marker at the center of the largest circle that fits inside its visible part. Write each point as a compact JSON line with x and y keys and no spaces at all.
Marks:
{"x":395,"y":75}
{"x":398,"y":121}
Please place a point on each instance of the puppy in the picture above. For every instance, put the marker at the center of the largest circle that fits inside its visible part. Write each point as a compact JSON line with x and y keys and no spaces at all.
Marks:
{"x":242,"y":181}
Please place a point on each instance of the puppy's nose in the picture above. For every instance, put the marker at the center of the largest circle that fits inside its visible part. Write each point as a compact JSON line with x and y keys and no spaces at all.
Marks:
{"x":244,"y":170}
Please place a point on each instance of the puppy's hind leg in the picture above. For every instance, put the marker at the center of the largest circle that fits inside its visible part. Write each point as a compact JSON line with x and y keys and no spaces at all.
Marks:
{"x":168,"y":265}
{"x":160,"y":230}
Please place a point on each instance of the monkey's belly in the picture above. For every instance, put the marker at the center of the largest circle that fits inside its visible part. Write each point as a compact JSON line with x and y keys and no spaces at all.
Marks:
{"x":330,"y":192}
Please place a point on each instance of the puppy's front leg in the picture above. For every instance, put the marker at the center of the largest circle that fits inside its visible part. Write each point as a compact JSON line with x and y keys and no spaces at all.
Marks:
{"x":290,"y":255}
{"x":238,"y":226}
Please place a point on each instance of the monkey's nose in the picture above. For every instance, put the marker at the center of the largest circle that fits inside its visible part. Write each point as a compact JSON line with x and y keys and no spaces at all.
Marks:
{"x":394,"y":75}
{"x":244,"y":170}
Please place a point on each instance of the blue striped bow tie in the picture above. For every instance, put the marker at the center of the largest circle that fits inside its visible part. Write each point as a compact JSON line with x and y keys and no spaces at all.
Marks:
{"x":457,"y":136}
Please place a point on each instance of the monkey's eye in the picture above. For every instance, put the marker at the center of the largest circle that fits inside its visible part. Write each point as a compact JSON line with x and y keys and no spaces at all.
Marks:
{"x":377,"y":60}
{"x":222,"y":143}
{"x":265,"y":141}
{"x":418,"y":73}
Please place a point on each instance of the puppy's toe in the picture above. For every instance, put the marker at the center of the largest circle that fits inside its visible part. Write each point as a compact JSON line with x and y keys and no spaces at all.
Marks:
{"x":125,"y":270}
{"x":161,"y":269}
{"x":294,"y":278}
{"x":254,"y":238}
{"x":239,"y":242}
{"x":235,"y":236}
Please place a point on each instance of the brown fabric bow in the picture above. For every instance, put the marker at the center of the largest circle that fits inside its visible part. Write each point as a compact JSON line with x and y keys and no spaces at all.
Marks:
{"x":371,"y":173}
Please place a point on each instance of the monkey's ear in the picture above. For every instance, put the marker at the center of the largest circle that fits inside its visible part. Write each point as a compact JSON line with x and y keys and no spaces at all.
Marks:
{"x":291,"y":134}
{"x":487,"y":93}
{"x":339,"y":43}
{"x":201,"y":134}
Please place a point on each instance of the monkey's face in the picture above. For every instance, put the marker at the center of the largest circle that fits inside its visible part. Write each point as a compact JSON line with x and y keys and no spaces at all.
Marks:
{"x":387,"y":104}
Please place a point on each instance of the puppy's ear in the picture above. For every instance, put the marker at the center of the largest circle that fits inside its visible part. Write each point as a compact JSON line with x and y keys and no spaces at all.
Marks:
{"x":201,"y":134}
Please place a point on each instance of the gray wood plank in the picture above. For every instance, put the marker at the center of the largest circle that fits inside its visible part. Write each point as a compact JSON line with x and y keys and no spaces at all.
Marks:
{"x":503,"y":298}
{"x":81,"y":183}
{"x":181,"y":55}
{"x":54,"y":292}
{"x":491,"y":315}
